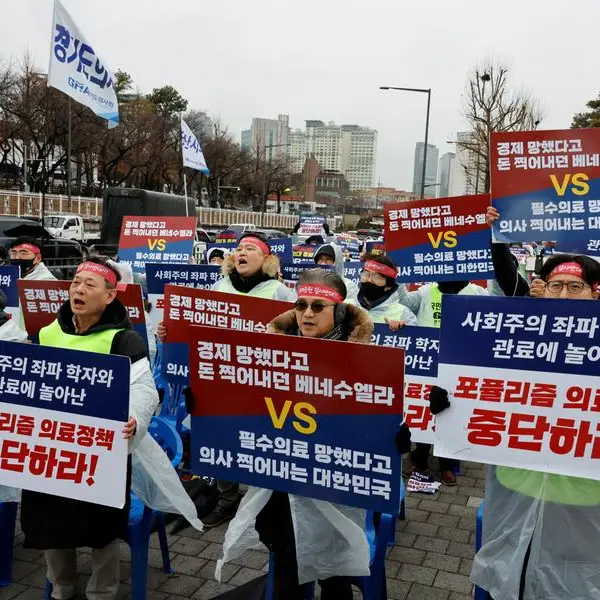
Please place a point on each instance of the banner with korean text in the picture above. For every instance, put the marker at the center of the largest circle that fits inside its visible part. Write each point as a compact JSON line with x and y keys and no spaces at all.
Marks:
{"x":421,"y":347}
{"x":440,"y":240}
{"x":375,"y":247}
{"x":522,"y":376}
{"x":305,"y":416}
{"x":202,"y":277}
{"x":546,"y":185}
{"x":61,"y":418}
{"x":78,"y":71}
{"x":9,"y":275}
{"x":41,"y":301}
{"x":311,"y":225}
{"x":282,"y":247}
{"x":304,"y":253}
{"x":167,"y":240}
{"x":186,"y":306}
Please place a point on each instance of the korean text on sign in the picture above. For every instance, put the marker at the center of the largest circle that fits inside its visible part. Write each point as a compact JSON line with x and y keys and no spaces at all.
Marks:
{"x":305,"y":416}
{"x":61,"y":416}
{"x":439,"y":240}
{"x":421,"y":349}
{"x":522,"y":375}
{"x":545,"y":185}
{"x":187,"y":306}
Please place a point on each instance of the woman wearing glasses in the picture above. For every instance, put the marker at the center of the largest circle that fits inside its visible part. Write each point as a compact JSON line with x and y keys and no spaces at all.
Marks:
{"x":541,"y":532}
{"x":311,"y":539}
{"x":378,"y":293}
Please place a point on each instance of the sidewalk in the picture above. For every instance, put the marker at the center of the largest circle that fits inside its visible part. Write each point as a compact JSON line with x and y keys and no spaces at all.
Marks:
{"x":431,"y":560}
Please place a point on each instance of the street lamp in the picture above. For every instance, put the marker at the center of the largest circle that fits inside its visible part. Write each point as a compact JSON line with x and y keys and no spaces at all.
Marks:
{"x":420,"y":91}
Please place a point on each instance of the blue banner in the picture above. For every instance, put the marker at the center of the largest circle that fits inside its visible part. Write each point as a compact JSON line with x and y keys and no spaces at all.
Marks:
{"x":9,"y":275}
{"x":352,"y":271}
{"x":197,"y":276}
{"x":522,"y":374}
{"x":282,"y":247}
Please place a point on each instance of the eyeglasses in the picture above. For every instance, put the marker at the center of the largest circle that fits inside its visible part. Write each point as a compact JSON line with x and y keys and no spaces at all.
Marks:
{"x":316,"y":307}
{"x":573,"y":287}
{"x":371,"y":276}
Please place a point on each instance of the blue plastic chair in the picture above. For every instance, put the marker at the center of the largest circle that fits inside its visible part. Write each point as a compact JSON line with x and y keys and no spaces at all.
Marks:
{"x":173,"y":407}
{"x":8,"y":520}
{"x":480,"y":594}
{"x":373,"y":587}
{"x":142,"y":517}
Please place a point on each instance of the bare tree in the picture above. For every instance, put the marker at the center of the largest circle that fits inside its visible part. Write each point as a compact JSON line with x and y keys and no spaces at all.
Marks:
{"x":490,"y":105}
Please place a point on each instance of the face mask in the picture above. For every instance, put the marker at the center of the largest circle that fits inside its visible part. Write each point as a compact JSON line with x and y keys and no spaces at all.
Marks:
{"x":25,"y":264}
{"x":372,"y":292}
{"x":452,"y":287}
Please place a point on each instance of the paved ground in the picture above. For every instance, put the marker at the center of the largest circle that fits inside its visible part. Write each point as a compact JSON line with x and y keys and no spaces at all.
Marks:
{"x":431,"y":560}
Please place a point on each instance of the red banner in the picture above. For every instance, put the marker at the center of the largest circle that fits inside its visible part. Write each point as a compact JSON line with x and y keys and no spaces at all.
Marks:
{"x":41,"y":300}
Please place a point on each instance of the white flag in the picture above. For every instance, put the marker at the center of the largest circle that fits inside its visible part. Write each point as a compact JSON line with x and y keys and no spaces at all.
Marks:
{"x":78,"y":71}
{"x":191,"y":151}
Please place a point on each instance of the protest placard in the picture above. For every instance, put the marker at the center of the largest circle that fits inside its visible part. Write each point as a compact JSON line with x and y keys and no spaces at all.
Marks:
{"x":304,"y":253}
{"x":522,"y":375}
{"x":156,"y":239}
{"x":546,"y":184}
{"x":9,"y":275}
{"x":377,"y":248}
{"x":61,"y":418}
{"x":350,"y":244}
{"x":202,"y":277}
{"x":439,"y":240}
{"x":352,"y":271}
{"x":227,"y":236}
{"x":188,"y":306}
{"x":282,"y":247}
{"x":421,"y":349}
{"x":41,"y":301}
{"x":311,"y":225}
{"x":306,"y":416}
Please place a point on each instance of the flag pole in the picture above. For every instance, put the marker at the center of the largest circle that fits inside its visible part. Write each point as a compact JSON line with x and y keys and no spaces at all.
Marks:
{"x":187,"y":210}
{"x":69,"y":151}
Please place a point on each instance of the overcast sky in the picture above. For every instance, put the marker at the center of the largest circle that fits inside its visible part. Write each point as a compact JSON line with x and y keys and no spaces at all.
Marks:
{"x":325,"y":59}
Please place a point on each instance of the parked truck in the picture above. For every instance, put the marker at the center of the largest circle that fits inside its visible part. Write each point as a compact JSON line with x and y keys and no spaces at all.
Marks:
{"x":72,"y":227}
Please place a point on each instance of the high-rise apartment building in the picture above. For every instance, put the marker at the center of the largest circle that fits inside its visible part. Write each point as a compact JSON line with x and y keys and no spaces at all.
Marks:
{"x":431,"y":170}
{"x":269,"y":138}
{"x":347,"y":149}
{"x":468,"y":172}
{"x":444,"y":171}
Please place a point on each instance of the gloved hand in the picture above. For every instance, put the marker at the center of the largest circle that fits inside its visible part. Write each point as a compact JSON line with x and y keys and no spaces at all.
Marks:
{"x":189,"y":399}
{"x":403,"y":439}
{"x":438,"y":400}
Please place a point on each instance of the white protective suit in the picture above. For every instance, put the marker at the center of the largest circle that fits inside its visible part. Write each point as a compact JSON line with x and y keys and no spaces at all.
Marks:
{"x":330,"y":538}
{"x":40,"y":273}
{"x":558,"y":517}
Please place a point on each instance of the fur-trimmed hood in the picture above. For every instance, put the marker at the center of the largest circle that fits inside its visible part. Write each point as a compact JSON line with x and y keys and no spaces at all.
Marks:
{"x":357,"y":321}
{"x":270,"y":267}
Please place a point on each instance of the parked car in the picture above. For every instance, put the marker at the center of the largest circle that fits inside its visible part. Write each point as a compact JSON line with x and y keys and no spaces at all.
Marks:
{"x":272,"y":234}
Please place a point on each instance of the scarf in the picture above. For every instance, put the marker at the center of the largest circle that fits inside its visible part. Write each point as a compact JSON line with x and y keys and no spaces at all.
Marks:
{"x":245,"y":285}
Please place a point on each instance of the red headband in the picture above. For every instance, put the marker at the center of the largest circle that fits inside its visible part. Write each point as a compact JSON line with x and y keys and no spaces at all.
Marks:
{"x":256,"y":242}
{"x":29,"y":247}
{"x":101,"y":270}
{"x":320,"y":291}
{"x":567,"y":268}
{"x":384,"y":270}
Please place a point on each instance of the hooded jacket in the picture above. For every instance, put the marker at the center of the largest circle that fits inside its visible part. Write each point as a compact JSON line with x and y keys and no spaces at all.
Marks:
{"x":55,"y":522}
{"x":330,"y":539}
{"x":351,"y":287}
{"x":269,"y":287}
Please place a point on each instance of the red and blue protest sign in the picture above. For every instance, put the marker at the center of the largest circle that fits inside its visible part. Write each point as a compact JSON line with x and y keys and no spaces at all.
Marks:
{"x":522,"y":375}
{"x":61,"y":418}
{"x":9,"y":275}
{"x":311,"y":225}
{"x":156,"y":239}
{"x":352,"y":271}
{"x":41,"y":301}
{"x":439,"y":240}
{"x":282,"y":247}
{"x":306,"y":416}
{"x":546,"y":185}
{"x":305,"y":253}
{"x":186,"y":306}
{"x":375,"y":247}
{"x":227,"y":236}
{"x":202,"y":277}
{"x":421,"y":347}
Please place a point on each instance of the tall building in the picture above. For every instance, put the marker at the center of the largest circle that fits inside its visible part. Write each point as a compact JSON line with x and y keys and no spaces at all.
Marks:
{"x":445,"y":170}
{"x":472,"y":172}
{"x":430,"y":172}
{"x":347,"y":149}
{"x":269,"y":138}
